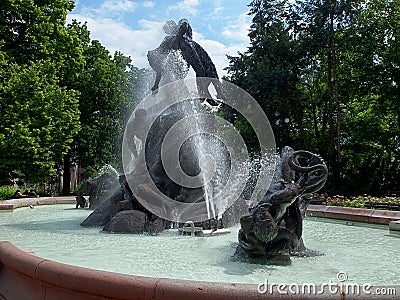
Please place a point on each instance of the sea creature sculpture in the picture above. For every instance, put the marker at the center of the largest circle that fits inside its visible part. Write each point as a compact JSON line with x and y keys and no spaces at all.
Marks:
{"x":272,"y":229}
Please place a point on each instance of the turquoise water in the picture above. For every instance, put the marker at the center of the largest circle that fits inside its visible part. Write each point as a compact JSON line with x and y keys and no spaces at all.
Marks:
{"x":367,"y":254}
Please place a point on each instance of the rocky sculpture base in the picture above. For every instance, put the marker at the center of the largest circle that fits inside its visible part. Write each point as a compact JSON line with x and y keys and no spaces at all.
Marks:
{"x":122,"y":213}
{"x":98,"y":190}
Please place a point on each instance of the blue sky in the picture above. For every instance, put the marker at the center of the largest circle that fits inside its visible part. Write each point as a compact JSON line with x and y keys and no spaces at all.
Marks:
{"x":134,"y":27}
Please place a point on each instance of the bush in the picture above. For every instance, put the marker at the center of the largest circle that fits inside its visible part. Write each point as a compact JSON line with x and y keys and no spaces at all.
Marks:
{"x":6,"y":192}
{"x":41,"y":192}
{"x":358,"y":201}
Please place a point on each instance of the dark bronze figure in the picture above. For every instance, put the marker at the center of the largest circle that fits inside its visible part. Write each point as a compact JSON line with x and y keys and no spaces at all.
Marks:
{"x":273,"y":228}
{"x":179,"y":38}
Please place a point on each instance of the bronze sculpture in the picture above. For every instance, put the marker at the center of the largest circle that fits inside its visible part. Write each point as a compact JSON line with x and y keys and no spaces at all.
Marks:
{"x":179,"y":38}
{"x":272,"y":229}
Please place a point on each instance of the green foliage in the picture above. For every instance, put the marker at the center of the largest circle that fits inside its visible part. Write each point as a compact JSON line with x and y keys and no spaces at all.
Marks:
{"x":6,"y":192}
{"x":41,"y":192}
{"x":90,"y":172}
{"x":62,"y":95}
{"x":34,"y":30}
{"x":331,"y":67}
{"x":38,"y":121}
{"x":40,"y":116}
{"x":107,"y":92}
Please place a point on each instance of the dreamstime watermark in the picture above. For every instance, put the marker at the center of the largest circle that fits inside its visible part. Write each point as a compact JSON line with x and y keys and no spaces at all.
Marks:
{"x":158,"y":139}
{"x":331,"y":287}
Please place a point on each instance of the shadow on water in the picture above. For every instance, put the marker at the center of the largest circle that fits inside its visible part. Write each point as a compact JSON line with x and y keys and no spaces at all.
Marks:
{"x":348,"y":223}
{"x":46,"y":218}
{"x":71,"y":224}
{"x":393,"y":235}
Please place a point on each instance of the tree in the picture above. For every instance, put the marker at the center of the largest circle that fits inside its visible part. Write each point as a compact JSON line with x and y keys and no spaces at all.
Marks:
{"x":268,"y":70}
{"x":38,"y":121}
{"x":371,"y":76}
{"x":39,"y":111}
{"x":63,"y":97}
{"x":342,"y":96}
{"x":35,"y":30}
{"x":107,"y":88}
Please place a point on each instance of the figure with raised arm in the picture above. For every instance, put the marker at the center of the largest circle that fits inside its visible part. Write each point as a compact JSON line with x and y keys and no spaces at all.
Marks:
{"x":179,"y":37}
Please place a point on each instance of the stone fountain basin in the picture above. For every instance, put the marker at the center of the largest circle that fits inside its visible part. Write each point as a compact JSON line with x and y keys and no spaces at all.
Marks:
{"x":175,"y":265}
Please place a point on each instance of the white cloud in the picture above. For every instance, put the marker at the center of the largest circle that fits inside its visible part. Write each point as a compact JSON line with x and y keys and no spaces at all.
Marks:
{"x":239,"y":30}
{"x":218,"y":51}
{"x":217,"y":10}
{"x":117,"y":36}
{"x":186,"y":7}
{"x":149,"y":4}
{"x":118,"y":5}
{"x":110,"y":8}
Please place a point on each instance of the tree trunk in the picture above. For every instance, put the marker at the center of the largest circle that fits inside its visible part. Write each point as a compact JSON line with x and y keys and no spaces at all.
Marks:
{"x":336,"y":86}
{"x":301,"y":128}
{"x":330,"y":89}
{"x":66,"y":190}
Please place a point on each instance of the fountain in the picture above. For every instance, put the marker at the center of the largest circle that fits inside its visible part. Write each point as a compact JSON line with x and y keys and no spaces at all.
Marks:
{"x":153,"y":178}
{"x":188,"y":168}
{"x":183,"y":165}
{"x":181,"y":162}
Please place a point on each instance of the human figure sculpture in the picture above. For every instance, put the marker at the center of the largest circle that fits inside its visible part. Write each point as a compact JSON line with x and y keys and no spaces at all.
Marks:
{"x":158,"y":56}
{"x":273,"y":228}
{"x":179,"y":38}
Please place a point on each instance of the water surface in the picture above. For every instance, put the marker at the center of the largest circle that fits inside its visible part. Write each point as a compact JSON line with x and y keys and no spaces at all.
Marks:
{"x":366,"y":253}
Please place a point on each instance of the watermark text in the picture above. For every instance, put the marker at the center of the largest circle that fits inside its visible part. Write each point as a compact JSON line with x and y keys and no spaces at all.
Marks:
{"x":331,"y":287}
